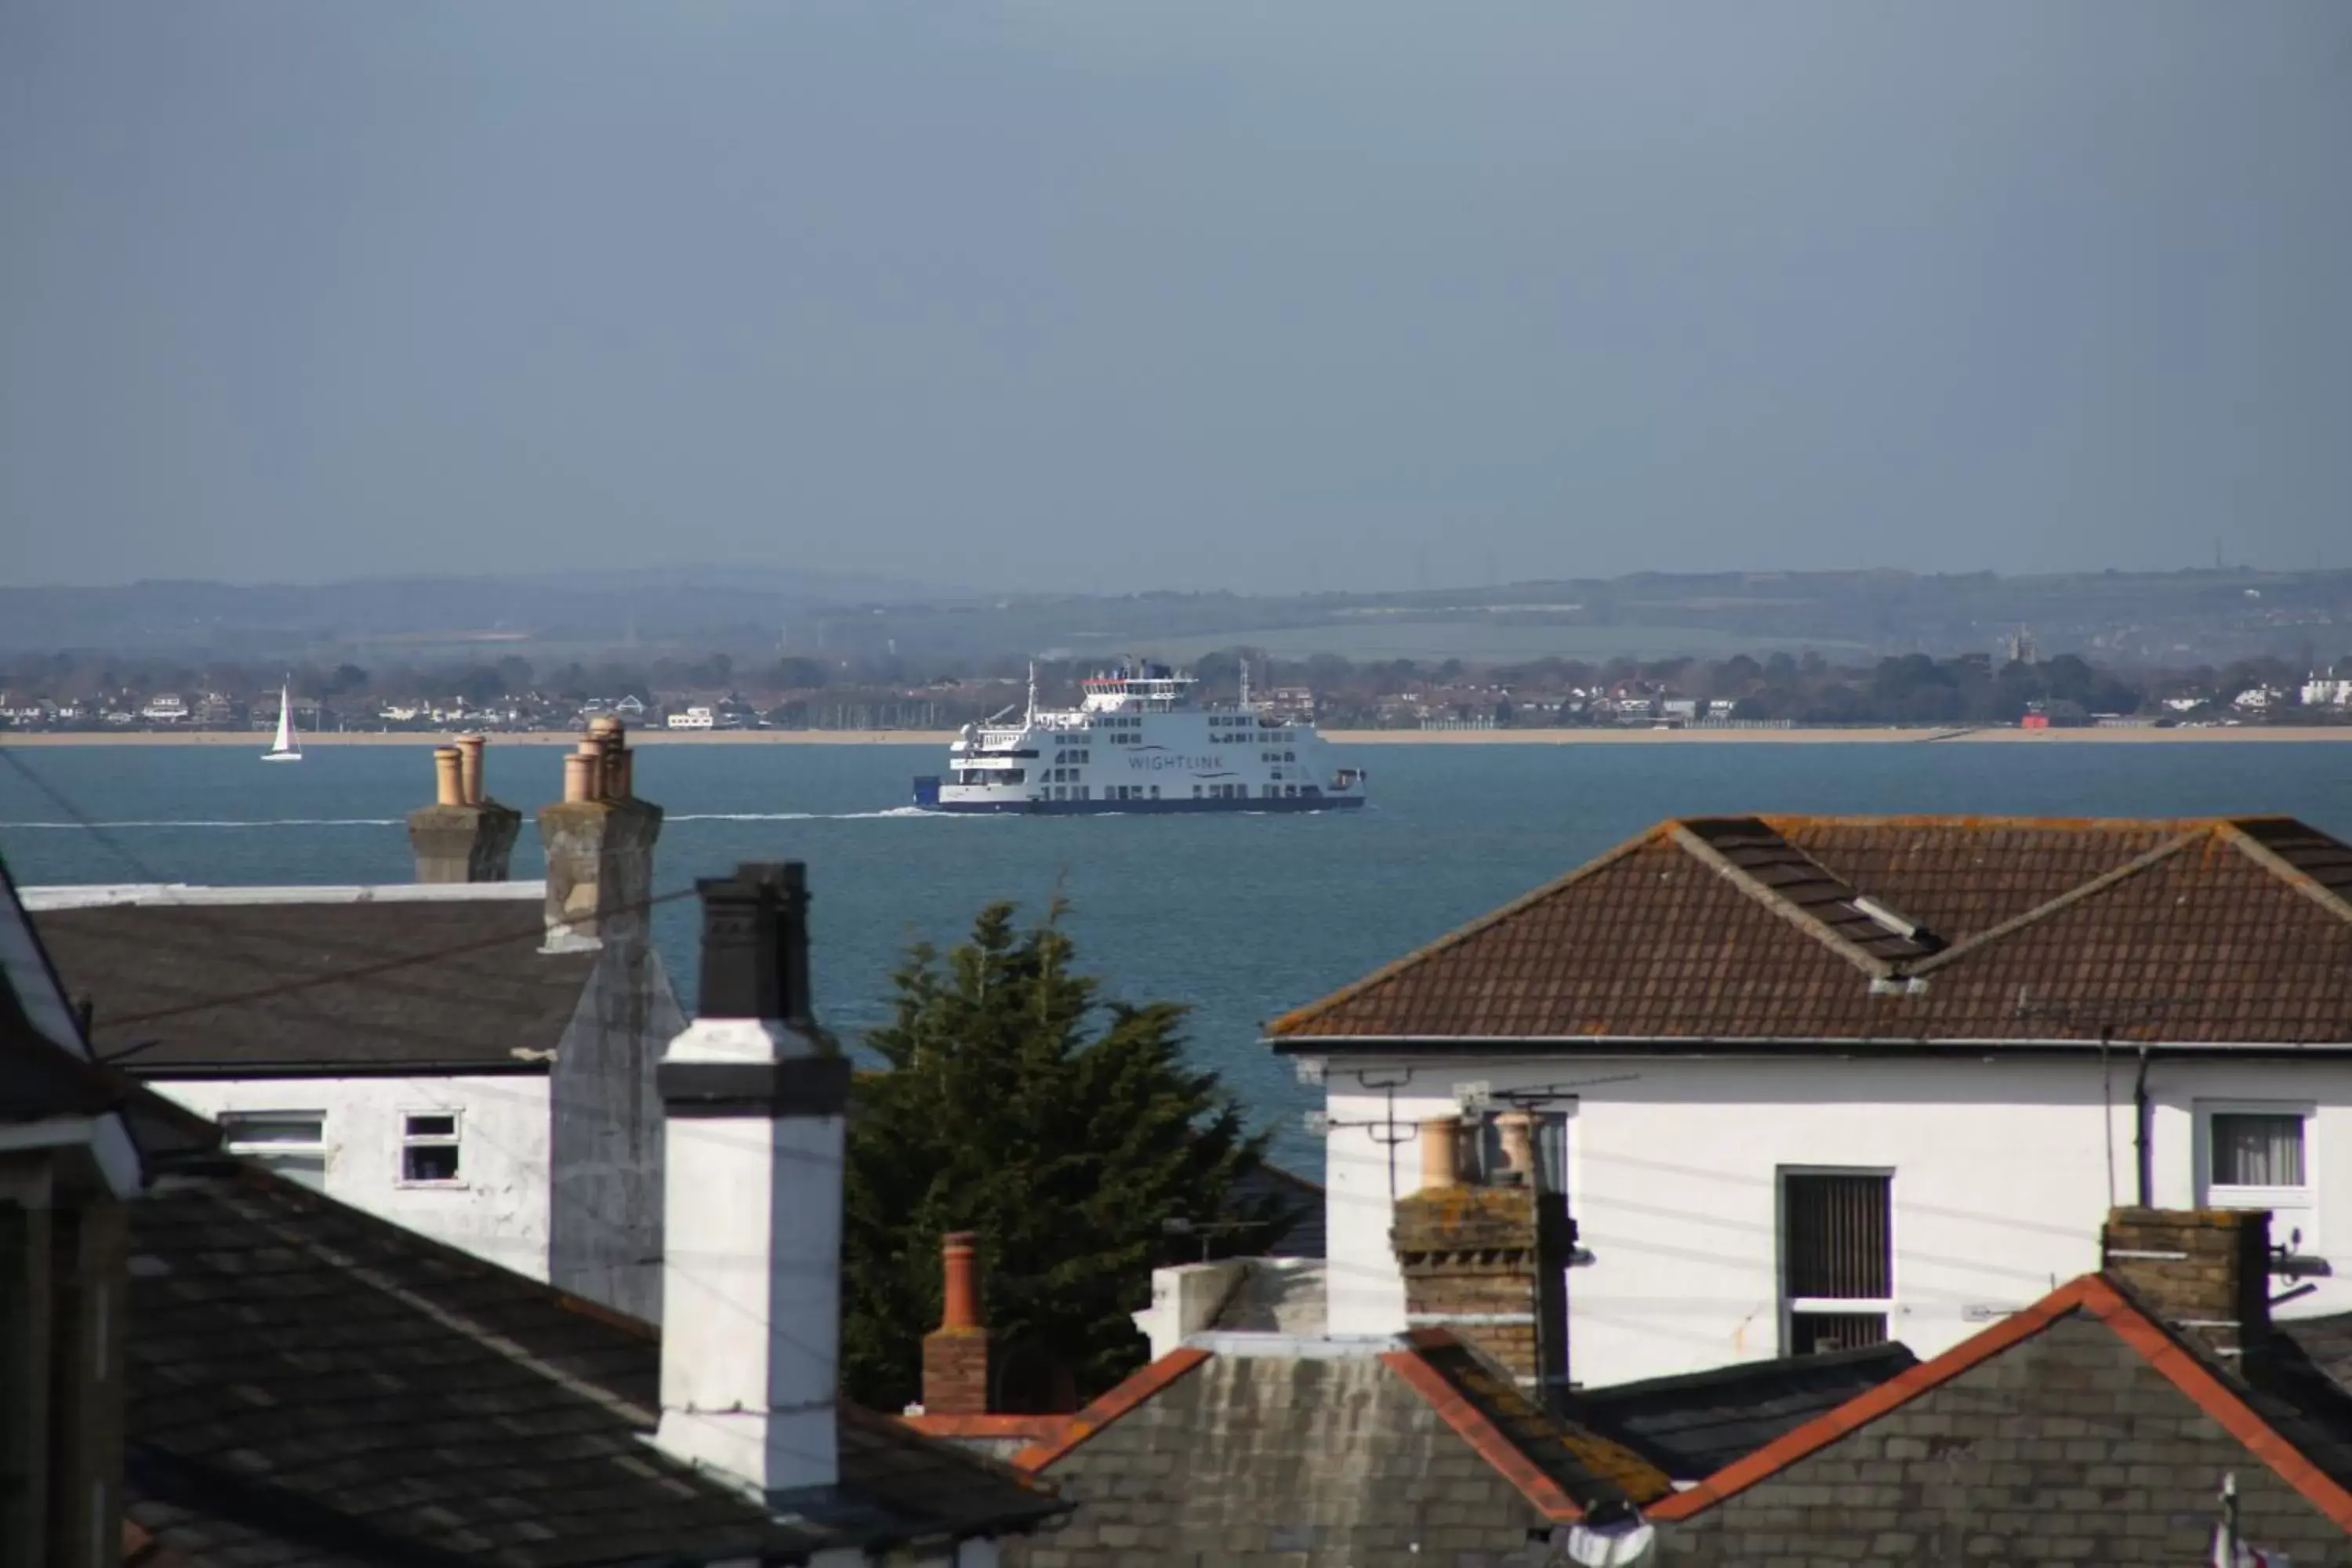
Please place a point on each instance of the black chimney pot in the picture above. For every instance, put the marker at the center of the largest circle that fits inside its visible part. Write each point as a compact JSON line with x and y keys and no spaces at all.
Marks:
{"x":755,"y":944}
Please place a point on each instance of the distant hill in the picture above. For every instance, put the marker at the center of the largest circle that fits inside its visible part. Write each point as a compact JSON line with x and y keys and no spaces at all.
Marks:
{"x":2171,"y":619}
{"x":591,"y":608}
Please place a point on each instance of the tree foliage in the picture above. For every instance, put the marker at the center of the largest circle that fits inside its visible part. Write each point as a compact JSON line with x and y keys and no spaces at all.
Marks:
{"x":1064,"y":1128}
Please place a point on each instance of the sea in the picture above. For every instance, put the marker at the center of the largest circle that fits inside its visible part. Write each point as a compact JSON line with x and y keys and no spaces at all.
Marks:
{"x":1240,"y":918}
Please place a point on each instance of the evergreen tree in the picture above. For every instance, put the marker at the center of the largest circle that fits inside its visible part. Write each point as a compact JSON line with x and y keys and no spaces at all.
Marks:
{"x":1064,"y":1129}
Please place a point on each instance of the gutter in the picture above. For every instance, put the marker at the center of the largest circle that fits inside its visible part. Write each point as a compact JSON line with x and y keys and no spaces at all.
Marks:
{"x":1767,"y":1047}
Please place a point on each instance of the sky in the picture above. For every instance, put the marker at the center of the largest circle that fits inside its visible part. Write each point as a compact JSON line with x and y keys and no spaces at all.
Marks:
{"x":1114,"y":297}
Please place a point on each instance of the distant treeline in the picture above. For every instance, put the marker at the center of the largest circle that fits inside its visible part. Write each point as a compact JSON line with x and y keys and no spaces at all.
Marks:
{"x":1806,"y":689}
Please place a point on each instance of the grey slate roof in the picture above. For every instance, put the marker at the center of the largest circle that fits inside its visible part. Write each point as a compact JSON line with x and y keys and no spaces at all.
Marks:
{"x":1693,"y":1425}
{"x":1321,"y":1451}
{"x":267,"y":986}
{"x":308,"y":1384}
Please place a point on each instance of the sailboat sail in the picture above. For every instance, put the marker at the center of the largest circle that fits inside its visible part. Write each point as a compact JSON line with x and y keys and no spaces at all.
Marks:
{"x":284,"y":750}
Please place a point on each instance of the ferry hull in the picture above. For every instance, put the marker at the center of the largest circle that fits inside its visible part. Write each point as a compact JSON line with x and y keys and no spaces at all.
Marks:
{"x":1284,"y":804}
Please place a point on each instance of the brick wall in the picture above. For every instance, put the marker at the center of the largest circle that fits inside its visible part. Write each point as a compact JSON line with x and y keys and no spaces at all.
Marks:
{"x":1491,"y":1264}
{"x":2204,"y":1270}
{"x":2067,"y":1450}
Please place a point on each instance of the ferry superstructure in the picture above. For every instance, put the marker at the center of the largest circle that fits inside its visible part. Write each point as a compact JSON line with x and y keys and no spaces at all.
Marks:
{"x":1138,"y":742}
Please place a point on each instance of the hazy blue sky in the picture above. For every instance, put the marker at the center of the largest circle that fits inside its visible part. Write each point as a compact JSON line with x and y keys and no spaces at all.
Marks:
{"x":1186,"y":294}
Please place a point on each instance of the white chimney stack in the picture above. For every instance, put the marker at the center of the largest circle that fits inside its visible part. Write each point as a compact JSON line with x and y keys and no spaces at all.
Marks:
{"x":755,"y":1096}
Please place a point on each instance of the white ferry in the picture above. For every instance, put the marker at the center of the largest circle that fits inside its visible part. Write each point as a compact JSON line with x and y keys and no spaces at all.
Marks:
{"x":1137,"y":743}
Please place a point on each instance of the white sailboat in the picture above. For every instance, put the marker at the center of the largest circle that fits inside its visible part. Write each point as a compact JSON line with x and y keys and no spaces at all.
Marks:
{"x":284,"y":749}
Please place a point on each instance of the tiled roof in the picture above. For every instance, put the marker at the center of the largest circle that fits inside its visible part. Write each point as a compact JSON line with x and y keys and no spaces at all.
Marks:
{"x":1693,"y":1425}
{"x":2286,"y":1412}
{"x":1794,"y":928}
{"x":1371,"y":1452}
{"x":276,"y":986}
{"x":310,"y":1383}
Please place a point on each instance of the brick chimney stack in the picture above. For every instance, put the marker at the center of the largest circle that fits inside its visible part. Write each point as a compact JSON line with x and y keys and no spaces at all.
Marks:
{"x":955,"y":1354}
{"x":755,"y":1105}
{"x":599,"y":844}
{"x":2204,"y":1271}
{"x":1489,"y":1262}
{"x":464,"y":836}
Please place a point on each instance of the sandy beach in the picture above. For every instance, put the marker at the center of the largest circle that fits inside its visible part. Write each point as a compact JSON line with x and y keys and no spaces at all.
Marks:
{"x":1635,"y":737}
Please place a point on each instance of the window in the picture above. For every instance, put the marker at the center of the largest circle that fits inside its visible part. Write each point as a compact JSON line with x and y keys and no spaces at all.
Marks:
{"x":1837,"y":1259}
{"x":428,"y":1146}
{"x":291,"y":1143}
{"x":2258,"y":1156}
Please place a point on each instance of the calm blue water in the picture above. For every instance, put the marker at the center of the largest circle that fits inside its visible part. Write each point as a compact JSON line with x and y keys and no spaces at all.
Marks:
{"x":1241,"y":916}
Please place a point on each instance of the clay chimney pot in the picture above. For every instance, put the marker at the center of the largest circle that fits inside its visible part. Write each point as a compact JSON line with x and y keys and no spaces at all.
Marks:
{"x":470,"y":769}
{"x":1441,"y":1153}
{"x":448,"y":787}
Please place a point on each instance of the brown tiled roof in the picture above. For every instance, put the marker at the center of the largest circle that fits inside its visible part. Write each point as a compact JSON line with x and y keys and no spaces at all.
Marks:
{"x":1794,"y":928}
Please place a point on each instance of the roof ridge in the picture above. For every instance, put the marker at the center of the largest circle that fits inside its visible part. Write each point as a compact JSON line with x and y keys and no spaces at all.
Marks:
{"x":1131,"y":1391}
{"x":2232,"y":830}
{"x":2093,"y":1294}
{"x":2067,"y":899}
{"x":1699,"y":850}
{"x":1459,"y":934}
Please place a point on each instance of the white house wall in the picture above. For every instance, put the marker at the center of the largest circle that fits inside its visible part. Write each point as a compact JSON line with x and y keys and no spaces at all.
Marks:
{"x":2002,"y":1179}
{"x":497,"y":1210}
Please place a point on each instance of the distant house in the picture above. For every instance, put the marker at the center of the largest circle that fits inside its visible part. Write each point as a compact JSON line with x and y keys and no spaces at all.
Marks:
{"x":632,"y":707}
{"x":471,"y":1058}
{"x":168,"y":708}
{"x":1800,"y":1083}
{"x":2327,"y":691}
{"x":693,"y":719}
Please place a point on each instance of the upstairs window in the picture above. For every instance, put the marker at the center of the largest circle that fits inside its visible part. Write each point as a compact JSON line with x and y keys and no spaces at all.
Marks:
{"x":291,"y":1143}
{"x":1837,"y":1259}
{"x":428,"y":1147}
{"x":2258,"y":1156}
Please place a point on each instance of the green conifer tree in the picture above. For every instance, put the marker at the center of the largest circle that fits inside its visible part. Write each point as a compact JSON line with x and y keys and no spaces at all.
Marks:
{"x":1065,"y":1129}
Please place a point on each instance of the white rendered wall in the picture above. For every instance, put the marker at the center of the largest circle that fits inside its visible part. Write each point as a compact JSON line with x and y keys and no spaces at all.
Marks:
{"x":496,"y":1209}
{"x":2000,"y":1183}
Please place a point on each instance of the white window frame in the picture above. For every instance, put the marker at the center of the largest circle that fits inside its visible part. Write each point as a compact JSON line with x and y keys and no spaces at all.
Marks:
{"x":2292,"y":1208}
{"x":454,"y":1138}
{"x":1794,"y":1307}
{"x":268,"y":1151}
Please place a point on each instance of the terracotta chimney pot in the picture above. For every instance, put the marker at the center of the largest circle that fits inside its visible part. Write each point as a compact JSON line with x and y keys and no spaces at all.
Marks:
{"x":579,"y":777}
{"x":470,"y":769}
{"x":449,"y":785}
{"x":956,"y":1353}
{"x":1440,"y":1152}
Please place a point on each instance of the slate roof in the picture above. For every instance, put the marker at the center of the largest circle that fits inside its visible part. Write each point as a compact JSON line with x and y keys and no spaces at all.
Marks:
{"x":1299,"y":1203}
{"x":1693,"y":1425}
{"x":2221,"y":931}
{"x":284,"y":986}
{"x":308,"y":1384}
{"x":1372,"y":1452}
{"x":2284,"y":1412}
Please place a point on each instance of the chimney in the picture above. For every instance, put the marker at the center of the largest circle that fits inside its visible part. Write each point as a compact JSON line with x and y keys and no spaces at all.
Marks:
{"x":955,"y":1354}
{"x":754,"y":1096}
{"x":599,"y":844}
{"x":2204,"y":1271}
{"x":464,"y":836}
{"x":1488,"y":1263}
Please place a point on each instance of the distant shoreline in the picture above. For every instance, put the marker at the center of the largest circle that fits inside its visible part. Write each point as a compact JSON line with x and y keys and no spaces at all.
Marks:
{"x":258,"y":741}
